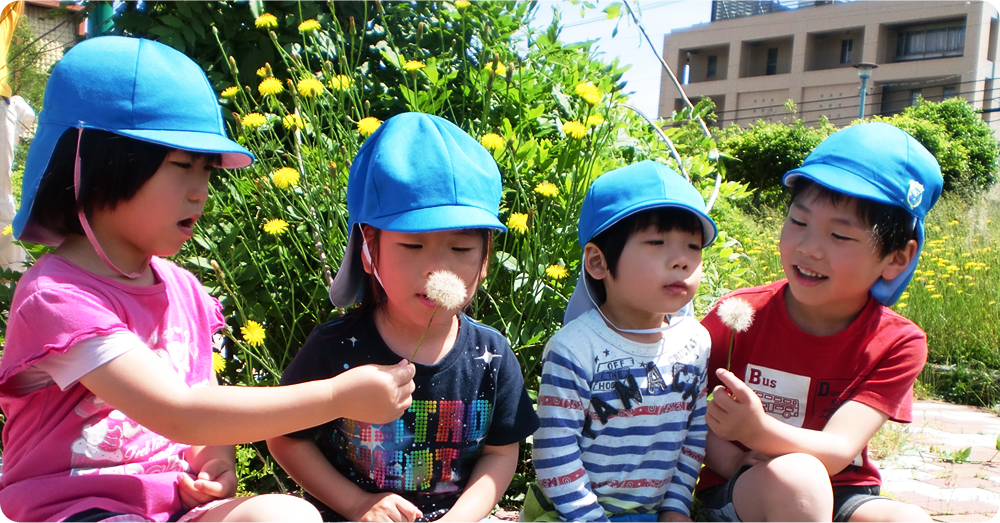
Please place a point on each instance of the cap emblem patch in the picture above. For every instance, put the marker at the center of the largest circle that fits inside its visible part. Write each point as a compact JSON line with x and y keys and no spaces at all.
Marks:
{"x":915,"y":194}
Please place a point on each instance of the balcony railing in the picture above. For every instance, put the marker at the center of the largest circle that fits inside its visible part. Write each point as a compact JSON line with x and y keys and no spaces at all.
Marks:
{"x":727,"y":9}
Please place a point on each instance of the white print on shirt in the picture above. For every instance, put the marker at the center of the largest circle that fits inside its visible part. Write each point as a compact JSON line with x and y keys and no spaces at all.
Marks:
{"x":783,"y":395}
{"x":174,"y":346}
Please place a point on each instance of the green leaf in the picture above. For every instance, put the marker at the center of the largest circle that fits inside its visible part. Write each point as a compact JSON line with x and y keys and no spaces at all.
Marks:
{"x":172,"y":21}
{"x":613,"y":10}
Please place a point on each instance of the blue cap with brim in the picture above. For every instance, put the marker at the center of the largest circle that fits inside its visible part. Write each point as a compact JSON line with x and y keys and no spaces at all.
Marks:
{"x":880,"y":162}
{"x":620,"y":193}
{"x":129,"y":86}
{"x":416,"y":173}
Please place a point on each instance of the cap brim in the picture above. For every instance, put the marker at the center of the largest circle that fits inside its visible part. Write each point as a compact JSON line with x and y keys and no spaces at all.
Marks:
{"x":233,"y":154}
{"x":348,"y":284}
{"x":708,"y":227}
{"x":839,"y":180}
{"x":580,"y":301}
{"x":441,"y":218}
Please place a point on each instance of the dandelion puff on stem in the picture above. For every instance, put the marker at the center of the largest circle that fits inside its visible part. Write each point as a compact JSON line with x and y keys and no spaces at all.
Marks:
{"x":737,"y":314}
{"x":446,"y":290}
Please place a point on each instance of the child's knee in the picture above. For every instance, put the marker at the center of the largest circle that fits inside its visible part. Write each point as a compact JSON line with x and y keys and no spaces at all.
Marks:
{"x":268,"y":507}
{"x":800,"y":471}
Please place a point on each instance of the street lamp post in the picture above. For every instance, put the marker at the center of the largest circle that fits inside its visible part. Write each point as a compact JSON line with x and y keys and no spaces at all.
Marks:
{"x":864,"y":72}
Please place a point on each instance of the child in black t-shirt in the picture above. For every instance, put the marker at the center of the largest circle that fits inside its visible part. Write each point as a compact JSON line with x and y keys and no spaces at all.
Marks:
{"x":423,"y":199}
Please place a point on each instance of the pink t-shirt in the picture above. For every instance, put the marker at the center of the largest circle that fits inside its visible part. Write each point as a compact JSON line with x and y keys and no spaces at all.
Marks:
{"x":68,"y":451}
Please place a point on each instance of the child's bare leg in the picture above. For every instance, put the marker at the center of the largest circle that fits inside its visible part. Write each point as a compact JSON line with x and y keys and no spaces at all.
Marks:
{"x":889,"y":510}
{"x":267,"y":507}
{"x":793,"y":487}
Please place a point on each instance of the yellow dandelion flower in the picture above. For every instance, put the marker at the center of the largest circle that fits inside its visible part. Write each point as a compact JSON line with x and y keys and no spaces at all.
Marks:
{"x":462,"y":4}
{"x":992,"y":302}
{"x":368,"y":125}
{"x":230,"y":91}
{"x":254,"y":120}
{"x":413,"y":65}
{"x":904,"y":295}
{"x":8,"y":230}
{"x":253,"y":333}
{"x":501,"y":69}
{"x":284,"y":178}
{"x":275,"y":226}
{"x":575,"y":129}
{"x":594,"y":120}
{"x":309,"y":25}
{"x":262,"y":72}
{"x":492,"y":141}
{"x":270,"y":86}
{"x":309,"y":87}
{"x":266,"y":21}
{"x":901,"y":305}
{"x":935,"y":296}
{"x":589,"y":92}
{"x":292,"y":121}
{"x":547,"y":189}
{"x":556,"y":272}
{"x":341,"y":82}
{"x":218,"y":363}
{"x":518,"y":221}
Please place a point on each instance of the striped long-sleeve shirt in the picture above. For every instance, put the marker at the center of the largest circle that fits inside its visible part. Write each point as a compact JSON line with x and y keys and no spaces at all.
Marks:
{"x":622,"y":423}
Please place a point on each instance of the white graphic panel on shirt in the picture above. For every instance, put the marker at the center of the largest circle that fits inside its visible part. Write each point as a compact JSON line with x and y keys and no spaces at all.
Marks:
{"x":783,"y":395}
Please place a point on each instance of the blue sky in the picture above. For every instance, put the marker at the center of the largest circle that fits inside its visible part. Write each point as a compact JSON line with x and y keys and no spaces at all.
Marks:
{"x":659,"y":18}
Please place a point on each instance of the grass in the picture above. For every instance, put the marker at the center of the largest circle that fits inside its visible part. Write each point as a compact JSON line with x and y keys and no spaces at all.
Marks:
{"x":952,"y":296}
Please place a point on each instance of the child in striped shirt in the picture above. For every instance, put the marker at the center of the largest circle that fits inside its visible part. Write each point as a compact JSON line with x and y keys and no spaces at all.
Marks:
{"x":622,"y":398}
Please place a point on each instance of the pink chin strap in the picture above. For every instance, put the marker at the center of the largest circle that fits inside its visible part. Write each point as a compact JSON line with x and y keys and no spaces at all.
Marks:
{"x":86,"y":225}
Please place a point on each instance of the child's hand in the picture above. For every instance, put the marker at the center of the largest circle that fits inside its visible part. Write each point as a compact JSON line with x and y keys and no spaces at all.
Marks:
{"x":386,"y":506}
{"x":671,"y":515}
{"x":216,"y":480}
{"x":376,"y":393}
{"x":734,"y":414}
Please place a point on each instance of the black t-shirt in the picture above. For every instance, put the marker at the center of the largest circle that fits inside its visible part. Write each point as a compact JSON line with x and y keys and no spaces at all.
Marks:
{"x":475,"y":396}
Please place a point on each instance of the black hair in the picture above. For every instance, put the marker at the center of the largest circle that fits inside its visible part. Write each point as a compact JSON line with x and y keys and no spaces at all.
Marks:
{"x":611,"y":241}
{"x":373,"y":293}
{"x":892,"y":226}
{"x":112,"y":169}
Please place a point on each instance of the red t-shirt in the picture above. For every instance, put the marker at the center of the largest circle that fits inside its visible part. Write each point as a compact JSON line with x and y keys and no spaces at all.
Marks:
{"x":802,"y":378}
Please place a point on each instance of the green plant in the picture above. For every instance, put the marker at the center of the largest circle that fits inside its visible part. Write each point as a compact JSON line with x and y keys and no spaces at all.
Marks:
{"x":764,"y":152}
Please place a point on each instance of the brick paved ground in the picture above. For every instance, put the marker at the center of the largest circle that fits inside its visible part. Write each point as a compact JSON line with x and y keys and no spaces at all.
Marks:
{"x":923,"y":473}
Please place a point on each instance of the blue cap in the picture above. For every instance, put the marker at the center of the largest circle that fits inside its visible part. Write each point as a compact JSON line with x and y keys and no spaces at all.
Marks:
{"x":132,"y":87}
{"x":620,"y":193}
{"x":416,"y":173}
{"x":880,"y":162}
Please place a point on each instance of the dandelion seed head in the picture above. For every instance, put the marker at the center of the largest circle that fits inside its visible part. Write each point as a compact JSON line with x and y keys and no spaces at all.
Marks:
{"x":446,"y":289}
{"x":736,"y":313}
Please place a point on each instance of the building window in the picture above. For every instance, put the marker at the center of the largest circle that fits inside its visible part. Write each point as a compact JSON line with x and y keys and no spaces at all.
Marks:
{"x":713,"y":64}
{"x":772,"y":61}
{"x":948,"y":92}
{"x":846,"y":46}
{"x":940,"y":42}
{"x":914,"y":96}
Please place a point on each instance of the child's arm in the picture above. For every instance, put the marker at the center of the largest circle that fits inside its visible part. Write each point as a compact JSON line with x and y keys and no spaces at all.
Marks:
{"x":489,"y":480}
{"x":556,"y":454}
{"x":725,"y":458}
{"x":140,"y":385}
{"x":307,"y":465}
{"x":680,"y":493}
{"x":215,"y":471}
{"x":742,"y":418}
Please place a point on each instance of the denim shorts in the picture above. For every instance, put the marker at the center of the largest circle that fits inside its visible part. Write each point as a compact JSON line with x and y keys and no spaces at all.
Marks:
{"x":718,"y":500}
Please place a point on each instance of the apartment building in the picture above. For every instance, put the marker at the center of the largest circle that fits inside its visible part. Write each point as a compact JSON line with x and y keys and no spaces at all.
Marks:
{"x":755,"y":56}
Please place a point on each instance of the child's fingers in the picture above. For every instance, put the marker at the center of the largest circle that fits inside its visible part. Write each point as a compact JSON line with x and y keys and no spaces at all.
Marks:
{"x":737,"y":389}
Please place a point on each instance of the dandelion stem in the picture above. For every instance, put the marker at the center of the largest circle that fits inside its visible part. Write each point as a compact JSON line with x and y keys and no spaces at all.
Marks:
{"x":732,"y":341}
{"x":421,"y":340}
